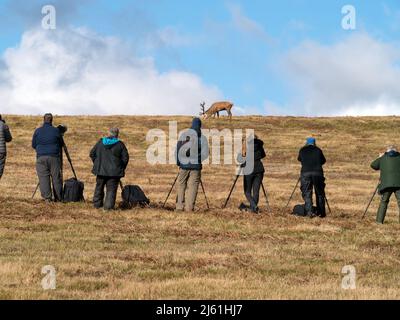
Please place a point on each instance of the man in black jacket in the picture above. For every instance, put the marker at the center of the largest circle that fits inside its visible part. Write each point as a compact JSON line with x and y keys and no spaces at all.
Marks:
{"x":110,"y":159}
{"x":47,"y":141}
{"x":252,"y":181}
{"x":312,"y":176}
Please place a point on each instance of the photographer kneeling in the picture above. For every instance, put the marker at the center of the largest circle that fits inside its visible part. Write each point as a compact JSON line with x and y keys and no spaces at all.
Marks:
{"x":47,"y":141}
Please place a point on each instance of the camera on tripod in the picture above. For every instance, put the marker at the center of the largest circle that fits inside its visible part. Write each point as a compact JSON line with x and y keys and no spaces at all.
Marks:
{"x":63,"y":129}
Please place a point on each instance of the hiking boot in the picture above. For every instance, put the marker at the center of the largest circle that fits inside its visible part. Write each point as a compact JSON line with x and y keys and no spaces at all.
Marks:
{"x":311,"y":215}
{"x":256,"y":210}
{"x":243,"y":207}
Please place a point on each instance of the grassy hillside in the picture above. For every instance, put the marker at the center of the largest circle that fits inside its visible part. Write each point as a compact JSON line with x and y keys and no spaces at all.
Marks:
{"x":224,"y":254}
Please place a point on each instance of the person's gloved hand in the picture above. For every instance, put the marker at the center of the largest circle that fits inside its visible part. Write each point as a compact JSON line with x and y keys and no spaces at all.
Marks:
{"x":241,"y":160}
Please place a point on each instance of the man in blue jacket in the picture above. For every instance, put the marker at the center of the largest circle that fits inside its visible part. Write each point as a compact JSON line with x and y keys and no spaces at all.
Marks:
{"x":47,"y":141}
{"x":192,"y":150}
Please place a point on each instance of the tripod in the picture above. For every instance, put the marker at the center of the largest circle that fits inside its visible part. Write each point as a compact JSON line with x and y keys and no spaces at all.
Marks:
{"x":173,"y":185}
{"x":291,"y":196}
{"x":372,"y":199}
{"x":294,"y":191}
{"x":233,"y":187}
{"x":65,"y":149}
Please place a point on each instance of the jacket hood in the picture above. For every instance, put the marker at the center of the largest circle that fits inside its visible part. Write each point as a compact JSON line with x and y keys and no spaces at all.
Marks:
{"x":196,"y":125}
{"x":258,"y":142}
{"x":108,"y":142}
{"x":392,"y":153}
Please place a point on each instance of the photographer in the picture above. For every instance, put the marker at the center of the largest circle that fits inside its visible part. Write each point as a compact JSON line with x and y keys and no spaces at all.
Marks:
{"x":47,"y":141}
{"x":5,"y":136}
{"x":192,"y":150}
{"x":110,"y":158}
{"x":312,"y":177}
{"x":252,"y":181}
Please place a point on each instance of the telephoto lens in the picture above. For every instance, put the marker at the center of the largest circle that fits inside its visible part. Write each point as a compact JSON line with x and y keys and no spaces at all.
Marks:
{"x":62,"y":128}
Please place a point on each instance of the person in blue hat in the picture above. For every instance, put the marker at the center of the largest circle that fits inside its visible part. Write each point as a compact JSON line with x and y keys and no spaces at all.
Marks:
{"x":312,"y":177}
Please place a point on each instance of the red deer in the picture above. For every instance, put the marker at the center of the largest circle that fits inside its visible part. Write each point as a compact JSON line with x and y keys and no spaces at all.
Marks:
{"x":216,"y":108}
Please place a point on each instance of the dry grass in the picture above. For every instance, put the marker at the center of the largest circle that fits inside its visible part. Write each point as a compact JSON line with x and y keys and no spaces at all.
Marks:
{"x":220,"y":254}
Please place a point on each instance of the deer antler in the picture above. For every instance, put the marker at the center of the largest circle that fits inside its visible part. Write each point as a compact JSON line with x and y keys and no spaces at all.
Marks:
{"x":203,"y":108}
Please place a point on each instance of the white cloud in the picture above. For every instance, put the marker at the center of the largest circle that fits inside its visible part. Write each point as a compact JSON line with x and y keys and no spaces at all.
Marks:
{"x":392,"y":17}
{"x":172,"y":37}
{"x":75,"y":71}
{"x":246,"y":25}
{"x":357,"y":76}
{"x":272,"y":109}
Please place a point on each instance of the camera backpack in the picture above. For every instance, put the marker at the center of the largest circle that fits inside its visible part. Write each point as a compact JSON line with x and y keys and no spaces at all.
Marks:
{"x":73,"y":190}
{"x":133,"y":196}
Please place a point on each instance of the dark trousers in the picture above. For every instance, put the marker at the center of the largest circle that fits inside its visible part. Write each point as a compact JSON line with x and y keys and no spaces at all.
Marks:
{"x":310,"y":181}
{"x":386,"y":195}
{"x":48,"y":169}
{"x":111,"y":184}
{"x":252,"y":184}
{"x":3,"y":157}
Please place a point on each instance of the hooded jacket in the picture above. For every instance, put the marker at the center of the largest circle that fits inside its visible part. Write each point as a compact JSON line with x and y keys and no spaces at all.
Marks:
{"x":389,"y":166}
{"x":110,"y":158}
{"x":184,"y":159}
{"x":312,"y":159}
{"x":5,"y":136}
{"x":47,"y":141}
{"x":259,"y":154}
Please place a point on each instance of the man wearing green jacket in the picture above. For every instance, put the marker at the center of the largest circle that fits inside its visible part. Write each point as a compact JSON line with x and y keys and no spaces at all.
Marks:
{"x":389,"y":166}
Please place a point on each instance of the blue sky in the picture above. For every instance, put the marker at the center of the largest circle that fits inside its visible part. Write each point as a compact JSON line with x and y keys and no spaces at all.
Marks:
{"x":238,"y":47}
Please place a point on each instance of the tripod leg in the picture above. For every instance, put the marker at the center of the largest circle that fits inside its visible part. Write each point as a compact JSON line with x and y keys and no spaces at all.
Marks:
{"x":266,"y":197}
{"x":205,"y":196}
{"x":369,"y":204}
{"x":291,"y":196}
{"x":230,"y":193}
{"x":327,"y":203}
{"x":69,"y":160}
{"x":170,"y":191}
{"x":62,"y":166}
{"x":34,"y":193}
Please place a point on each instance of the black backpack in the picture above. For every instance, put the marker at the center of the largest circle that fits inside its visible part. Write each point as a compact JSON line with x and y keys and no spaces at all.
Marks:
{"x":73,"y":190}
{"x":300,"y":211}
{"x":133,"y":196}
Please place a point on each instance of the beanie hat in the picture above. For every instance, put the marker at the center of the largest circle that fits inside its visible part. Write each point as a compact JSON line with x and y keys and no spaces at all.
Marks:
{"x":114,"y":132}
{"x":311,"y":141}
